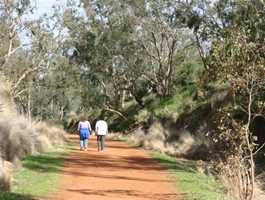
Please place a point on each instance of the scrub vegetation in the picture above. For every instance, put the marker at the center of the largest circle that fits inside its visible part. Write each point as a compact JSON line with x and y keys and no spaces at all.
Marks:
{"x":184,"y":78}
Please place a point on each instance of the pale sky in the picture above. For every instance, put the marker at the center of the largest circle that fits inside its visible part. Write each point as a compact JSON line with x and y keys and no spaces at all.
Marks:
{"x":41,"y":7}
{"x":45,"y":6}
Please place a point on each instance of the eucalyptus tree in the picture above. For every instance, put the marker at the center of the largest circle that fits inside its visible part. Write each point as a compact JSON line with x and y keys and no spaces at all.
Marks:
{"x":11,"y":13}
{"x":106,"y":51}
{"x":166,"y":42}
{"x":131,"y":48}
{"x":235,"y":32}
{"x":27,"y":64}
{"x":12,"y":56}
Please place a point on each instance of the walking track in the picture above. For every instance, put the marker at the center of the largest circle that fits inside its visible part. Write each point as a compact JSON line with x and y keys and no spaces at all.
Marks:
{"x":120,"y":172}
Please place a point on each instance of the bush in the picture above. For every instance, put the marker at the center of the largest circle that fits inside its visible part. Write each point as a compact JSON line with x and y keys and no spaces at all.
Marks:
{"x":168,"y":139}
{"x":6,"y":169}
{"x":19,"y":137}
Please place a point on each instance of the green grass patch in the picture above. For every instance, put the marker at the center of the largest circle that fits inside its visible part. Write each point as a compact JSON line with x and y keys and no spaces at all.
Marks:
{"x":156,"y":107}
{"x":14,"y":196}
{"x":40,"y":174}
{"x":166,"y":107}
{"x":195,"y":185}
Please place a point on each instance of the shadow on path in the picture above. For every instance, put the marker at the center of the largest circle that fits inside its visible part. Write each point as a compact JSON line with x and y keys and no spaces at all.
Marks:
{"x":120,"y":172}
{"x":132,"y":193}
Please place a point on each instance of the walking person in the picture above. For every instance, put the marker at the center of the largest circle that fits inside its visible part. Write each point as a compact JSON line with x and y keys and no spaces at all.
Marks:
{"x":101,"y":131}
{"x":84,"y":129}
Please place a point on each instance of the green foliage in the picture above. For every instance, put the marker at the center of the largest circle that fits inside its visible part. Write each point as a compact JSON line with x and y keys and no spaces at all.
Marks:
{"x":238,"y":59}
{"x":181,"y":102}
{"x":193,"y":184}
{"x":154,"y":107}
{"x":189,"y":74}
{"x":117,"y":53}
{"x":117,"y":123}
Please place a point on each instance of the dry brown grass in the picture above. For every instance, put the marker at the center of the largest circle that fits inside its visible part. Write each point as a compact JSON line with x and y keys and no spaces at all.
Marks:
{"x":6,"y":169}
{"x":232,"y":186}
{"x":19,"y":137}
{"x":157,"y":138}
{"x":6,"y":103}
{"x":236,"y":181}
{"x":56,"y":136}
{"x":259,"y":194}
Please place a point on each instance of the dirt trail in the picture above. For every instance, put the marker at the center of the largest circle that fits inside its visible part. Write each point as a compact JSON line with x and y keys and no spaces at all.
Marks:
{"x":120,"y":172}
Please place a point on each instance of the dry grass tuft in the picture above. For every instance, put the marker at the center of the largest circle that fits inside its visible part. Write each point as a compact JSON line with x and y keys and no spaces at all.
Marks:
{"x":159,"y":138}
{"x":54,"y":134}
{"x":259,"y":194}
{"x":232,"y":185}
{"x":43,"y":144}
{"x":6,"y":169}
{"x":6,"y":103}
{"x":234,"y":176}
{"x":19,"y":137}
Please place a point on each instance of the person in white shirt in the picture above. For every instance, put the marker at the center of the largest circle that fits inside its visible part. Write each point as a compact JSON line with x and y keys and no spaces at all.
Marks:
{"x":84,"y":129}
{"x":101,"y":131}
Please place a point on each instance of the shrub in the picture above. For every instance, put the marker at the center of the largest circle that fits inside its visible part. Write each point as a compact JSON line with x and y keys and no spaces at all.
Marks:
{"x":19,"y":137}
{"x":6,"y":169}
{"x":170,"y":140}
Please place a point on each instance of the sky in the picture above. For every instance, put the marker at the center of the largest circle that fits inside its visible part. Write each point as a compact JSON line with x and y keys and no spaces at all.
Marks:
{"x":41,"y":7}
{"x":45,"y":6}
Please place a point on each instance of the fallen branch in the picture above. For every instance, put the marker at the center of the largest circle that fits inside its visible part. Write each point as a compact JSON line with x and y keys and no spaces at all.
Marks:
{"x":115,"y":111}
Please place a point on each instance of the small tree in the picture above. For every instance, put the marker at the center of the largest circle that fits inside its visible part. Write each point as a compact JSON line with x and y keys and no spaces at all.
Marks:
{"x":238,"y":59}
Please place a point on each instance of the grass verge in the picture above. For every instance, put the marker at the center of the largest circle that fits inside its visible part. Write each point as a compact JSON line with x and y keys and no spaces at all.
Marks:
{"x":39,"y":175}
{"x":194,"y":185}
{"x":14,"y":196}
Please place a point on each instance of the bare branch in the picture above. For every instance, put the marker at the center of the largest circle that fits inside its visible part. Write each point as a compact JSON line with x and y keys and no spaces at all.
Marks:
{"x":107,"y":108}
{"x":24,"y":75}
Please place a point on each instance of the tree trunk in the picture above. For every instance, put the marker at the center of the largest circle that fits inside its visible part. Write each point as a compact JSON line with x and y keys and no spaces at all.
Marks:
{"x":29,"y":103}
{"x":62,"y":113}
{"x":123,"y":98}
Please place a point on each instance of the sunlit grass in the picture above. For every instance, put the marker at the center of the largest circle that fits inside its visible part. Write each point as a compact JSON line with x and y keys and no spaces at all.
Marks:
{"x":40,"y":174}
{"x":194,"y":185}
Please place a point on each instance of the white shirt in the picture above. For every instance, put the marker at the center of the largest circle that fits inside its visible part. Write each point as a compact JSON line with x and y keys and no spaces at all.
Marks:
{"x":101,"y":127}
{"x":84,"y":124}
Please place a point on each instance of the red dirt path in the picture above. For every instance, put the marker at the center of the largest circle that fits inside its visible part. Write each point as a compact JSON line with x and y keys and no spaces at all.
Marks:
{"x":120,"y":172}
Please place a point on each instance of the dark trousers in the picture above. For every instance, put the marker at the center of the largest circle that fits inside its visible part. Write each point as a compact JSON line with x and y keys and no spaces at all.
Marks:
{"x":101,"y":142}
